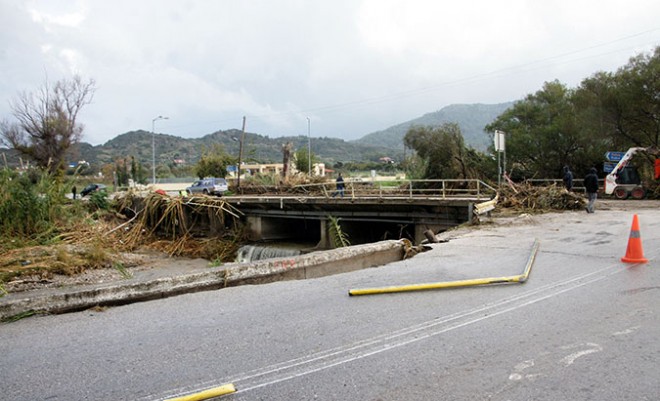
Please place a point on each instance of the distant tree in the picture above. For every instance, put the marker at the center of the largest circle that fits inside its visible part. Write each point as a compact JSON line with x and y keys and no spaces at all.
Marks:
{"x":135,"y":172}
{"x":557,"y":126}
{"x":164,"y":171}
{"x":413,"y":166}
{"x":179,"y":170}
{"x":626,"y":104}
{"x":543,"y":134}
{"x":442,"y":151}
{"x":214,"y":162}
{"x":47,"y":123}
{"x":596,"y":124}
{"x":138,"y":172}
{"x":302,"y":160}
{"x":121,"y":172}
{"x":107,"y":170}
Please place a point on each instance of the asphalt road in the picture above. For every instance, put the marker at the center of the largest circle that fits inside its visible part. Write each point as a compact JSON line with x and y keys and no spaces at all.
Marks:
{"x":584,"y":327}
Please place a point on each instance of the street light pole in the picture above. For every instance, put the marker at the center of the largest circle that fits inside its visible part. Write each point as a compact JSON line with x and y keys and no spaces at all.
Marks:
{"x":240,"y":159}
{"x":309,"y":148}
{"x":153,"y":147}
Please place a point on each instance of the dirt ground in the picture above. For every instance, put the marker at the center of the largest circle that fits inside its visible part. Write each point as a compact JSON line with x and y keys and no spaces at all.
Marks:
{"x":159,"y":263}
{"x":140,"y":262}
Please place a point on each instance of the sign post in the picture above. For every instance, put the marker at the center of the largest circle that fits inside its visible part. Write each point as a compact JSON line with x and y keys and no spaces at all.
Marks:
{"x":614,"y":156}
{"x":608,"y":167}
{"x":499,"y":140}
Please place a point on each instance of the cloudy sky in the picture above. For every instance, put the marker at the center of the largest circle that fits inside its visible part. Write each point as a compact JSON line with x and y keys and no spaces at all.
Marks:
{"x":351,"y":66}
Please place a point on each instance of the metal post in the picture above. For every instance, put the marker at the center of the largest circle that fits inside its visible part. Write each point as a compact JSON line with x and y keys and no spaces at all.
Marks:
{"x":499,"y":170}
{"x":309,"y":147}
{"x":504,"y":156}
{"x":153,"y":153}
{"x":153,"y":148}
{"x":240,"y":158}
{"x":500,"y":147}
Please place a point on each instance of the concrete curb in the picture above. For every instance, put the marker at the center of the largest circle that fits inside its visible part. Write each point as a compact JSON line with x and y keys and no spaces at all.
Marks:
{"x":316,"y":264}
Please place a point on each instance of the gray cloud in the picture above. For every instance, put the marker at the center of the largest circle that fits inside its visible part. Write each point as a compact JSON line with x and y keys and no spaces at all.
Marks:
{"x":353,"y":67}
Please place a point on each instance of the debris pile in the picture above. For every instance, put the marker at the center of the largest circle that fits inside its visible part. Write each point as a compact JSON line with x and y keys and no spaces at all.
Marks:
{"x":526,"y":197}
{"x":116,"y":241}
{"x":167,"y":224}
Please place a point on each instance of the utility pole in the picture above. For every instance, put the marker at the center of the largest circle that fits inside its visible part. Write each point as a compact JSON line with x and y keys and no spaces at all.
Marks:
{"x":309,"y":147}
{"x":240,"y":158}
{"x":153,"y":147}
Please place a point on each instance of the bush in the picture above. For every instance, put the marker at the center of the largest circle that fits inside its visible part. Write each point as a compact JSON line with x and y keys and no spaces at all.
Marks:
{"x":34,"y":209}
{"x":98,"y":200}
{"x":30,"y":204}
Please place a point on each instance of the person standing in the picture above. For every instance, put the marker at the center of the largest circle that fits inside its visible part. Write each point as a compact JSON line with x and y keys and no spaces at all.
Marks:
{"x":340,"y":187}
{"x":591,"y":185}
{"x":73,"y":191}
{"x":568,"y":178}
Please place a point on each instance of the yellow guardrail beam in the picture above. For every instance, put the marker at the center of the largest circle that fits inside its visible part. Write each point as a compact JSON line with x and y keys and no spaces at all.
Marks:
{"x":530,"y":261}
{"x":453,"y":284}
{"x":206,"y":394}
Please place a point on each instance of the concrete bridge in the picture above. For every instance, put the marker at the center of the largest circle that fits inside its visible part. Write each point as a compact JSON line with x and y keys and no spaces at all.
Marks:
{"x":368,"y":211}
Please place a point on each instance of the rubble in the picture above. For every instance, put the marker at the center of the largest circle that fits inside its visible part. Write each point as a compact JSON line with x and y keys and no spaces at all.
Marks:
{"x":529,"y":198}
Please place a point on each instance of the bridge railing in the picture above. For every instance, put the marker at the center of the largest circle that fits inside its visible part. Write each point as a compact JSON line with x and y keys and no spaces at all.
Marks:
{"x":444,"y":189}
{"x":578,"y":183}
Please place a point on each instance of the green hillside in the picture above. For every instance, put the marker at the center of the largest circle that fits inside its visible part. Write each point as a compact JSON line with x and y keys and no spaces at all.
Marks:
{"x":472,"y":118}
{"x":257,"y":148}
{"x":263,"y":149}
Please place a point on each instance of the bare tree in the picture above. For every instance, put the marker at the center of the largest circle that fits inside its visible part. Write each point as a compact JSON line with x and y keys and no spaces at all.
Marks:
{"x":47,"y":124}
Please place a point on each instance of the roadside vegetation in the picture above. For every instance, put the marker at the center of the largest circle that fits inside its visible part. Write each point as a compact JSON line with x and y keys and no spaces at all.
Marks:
{"x":43,"y":232}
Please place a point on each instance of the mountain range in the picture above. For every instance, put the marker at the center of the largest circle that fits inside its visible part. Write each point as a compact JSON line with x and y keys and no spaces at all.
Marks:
{"x":472,"y":118}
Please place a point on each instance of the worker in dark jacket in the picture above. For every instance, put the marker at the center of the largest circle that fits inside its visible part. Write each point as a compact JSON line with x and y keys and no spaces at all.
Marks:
{"x":568,"y":178}
{"x":591,"y":185}
{"x":340,"y":187}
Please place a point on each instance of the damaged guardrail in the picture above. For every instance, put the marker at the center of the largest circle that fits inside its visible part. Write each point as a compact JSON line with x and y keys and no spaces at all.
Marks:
{"x":485,"y":207}
{"x":453,"y":284}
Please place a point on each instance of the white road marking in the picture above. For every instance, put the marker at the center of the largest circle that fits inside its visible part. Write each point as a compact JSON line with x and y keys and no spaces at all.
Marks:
{"x":626,"y":331}
{"x":515,"y":377}
{"x":519,"y":368}
{"x":323,"y":360}
{"x":570,"y":359}
{"x":524,"y":365}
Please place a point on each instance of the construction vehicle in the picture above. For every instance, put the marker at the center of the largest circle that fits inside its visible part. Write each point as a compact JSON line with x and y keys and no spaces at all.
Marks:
{"x":624,"y":180}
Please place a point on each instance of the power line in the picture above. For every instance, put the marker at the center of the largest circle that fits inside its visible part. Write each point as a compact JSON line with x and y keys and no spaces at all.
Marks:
{"x":524,"y":67}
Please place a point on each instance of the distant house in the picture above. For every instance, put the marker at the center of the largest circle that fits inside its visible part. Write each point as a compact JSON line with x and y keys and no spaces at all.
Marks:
{"x":386,"y":159}
{"x":179,"y":162}
{"x":318,"y":169}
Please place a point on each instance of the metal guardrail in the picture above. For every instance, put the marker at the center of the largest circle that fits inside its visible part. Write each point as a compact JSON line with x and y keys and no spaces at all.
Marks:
{"x":578,"y":183}
{"x":405,"y":189}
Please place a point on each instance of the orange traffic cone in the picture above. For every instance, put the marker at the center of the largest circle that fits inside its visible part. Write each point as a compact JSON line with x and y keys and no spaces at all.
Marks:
{"x":634,"y":253}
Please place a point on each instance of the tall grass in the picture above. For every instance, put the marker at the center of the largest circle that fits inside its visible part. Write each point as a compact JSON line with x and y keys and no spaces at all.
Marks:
{"x":30,"y":206}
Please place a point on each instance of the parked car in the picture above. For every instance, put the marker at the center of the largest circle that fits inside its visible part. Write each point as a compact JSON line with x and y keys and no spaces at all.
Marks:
{"x":92,"y":188}
{"x":208,"y":186}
